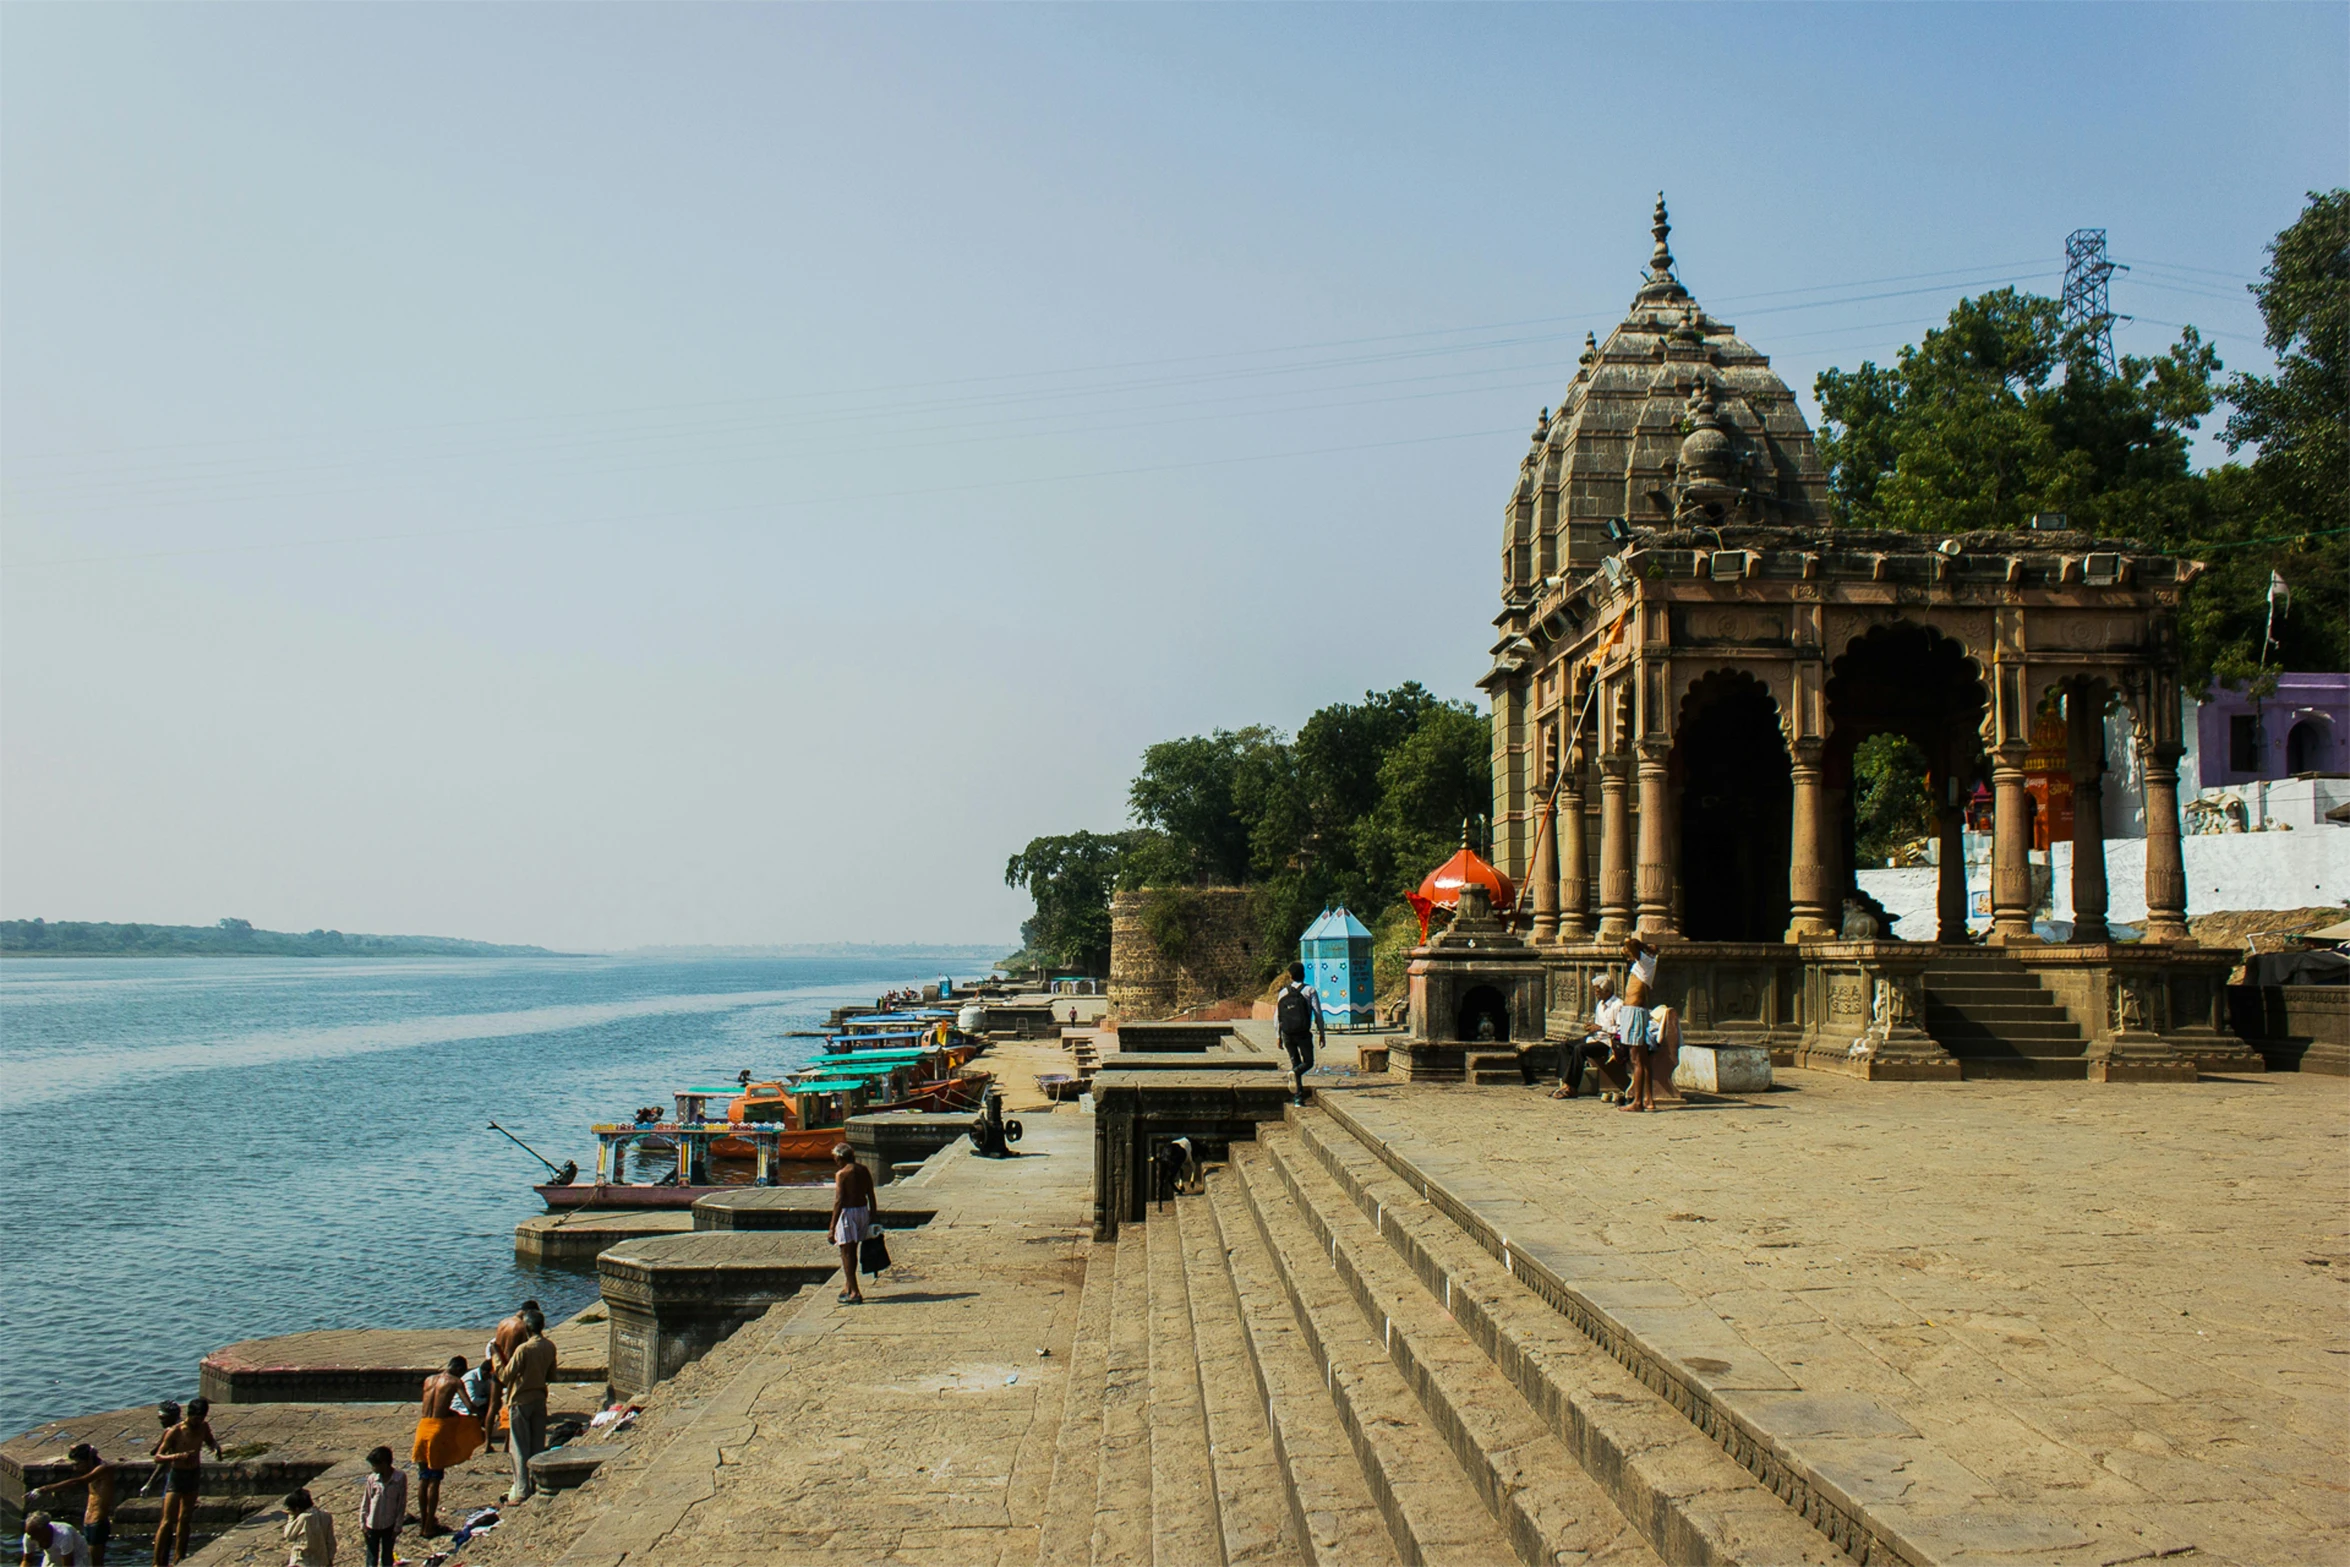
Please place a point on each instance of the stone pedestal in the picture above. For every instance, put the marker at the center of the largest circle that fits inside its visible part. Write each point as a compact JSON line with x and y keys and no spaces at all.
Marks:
{"x":2153,"y":1012}
{"x":1475,"y":988}
{"x":1865,"y":1013}
{"x":894,"y":1137}
{"x":672,"y":1298}
{"x":1729,"y":1069}
{"x":1137,"y":1113}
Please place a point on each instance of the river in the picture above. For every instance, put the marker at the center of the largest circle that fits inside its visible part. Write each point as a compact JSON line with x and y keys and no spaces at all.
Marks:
{"x":201,"y":1150}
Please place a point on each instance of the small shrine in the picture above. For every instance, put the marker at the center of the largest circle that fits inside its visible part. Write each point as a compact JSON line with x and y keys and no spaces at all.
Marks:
{"x":1477,"y":991}
{"x":1336,"y":950}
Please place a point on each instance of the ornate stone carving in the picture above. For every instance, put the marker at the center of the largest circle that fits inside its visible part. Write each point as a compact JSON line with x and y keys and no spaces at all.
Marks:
{"x":1844,"y":997}
{"x":1900,"y":1003}
{"x":2135,"y":1007}
{"x":1737,"y":624}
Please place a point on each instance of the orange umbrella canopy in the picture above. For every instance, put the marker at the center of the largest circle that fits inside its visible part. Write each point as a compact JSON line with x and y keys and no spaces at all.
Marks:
{"x":1441,"y":888}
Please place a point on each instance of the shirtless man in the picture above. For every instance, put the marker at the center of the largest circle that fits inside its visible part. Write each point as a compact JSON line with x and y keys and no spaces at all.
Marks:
{"x":1639,"y":1006}
{"x":98,"y":1511}
{"x":180,"y":1453}
{"x":852,"y":1216}
{"x":503,"y":1344}
{"x":444,"y":1438}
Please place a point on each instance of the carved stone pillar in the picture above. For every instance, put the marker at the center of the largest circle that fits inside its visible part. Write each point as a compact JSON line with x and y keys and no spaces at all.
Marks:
{"x":2011,"y":844}
{"x":1657,"y":858}
{"x":2166,"y":865}
{"x":1950,"y":886}
{"x":1544,"y":873}
{"x":1615,"y":847}
{"x":1574,"y":862}
{"x":2088,"y":770}
{"x":1810,"y":916}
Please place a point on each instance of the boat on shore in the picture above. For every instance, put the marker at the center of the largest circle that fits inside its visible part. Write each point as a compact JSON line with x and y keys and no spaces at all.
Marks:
{"x":799,"y":1117}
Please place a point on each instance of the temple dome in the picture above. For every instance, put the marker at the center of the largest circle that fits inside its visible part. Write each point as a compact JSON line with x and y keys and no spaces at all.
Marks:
{"x":1672,"y":417}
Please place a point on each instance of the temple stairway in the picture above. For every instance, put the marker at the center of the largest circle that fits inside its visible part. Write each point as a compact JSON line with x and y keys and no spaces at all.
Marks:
{"x":1311,"y":1363}
{"x":1988,"y":1010}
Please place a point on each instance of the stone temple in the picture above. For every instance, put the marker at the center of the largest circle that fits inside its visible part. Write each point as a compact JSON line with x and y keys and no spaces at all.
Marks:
{"x":1688,"y":652}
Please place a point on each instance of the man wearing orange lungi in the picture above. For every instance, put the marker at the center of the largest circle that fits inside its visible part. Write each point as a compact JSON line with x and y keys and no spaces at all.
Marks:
{"x":443,"y":1438}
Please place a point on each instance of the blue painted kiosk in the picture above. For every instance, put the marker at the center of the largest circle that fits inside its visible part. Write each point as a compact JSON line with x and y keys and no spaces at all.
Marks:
{"x":1336,"y":950}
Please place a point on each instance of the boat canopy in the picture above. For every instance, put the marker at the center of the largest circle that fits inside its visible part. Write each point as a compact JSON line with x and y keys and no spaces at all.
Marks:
{"x":844,"y":1085}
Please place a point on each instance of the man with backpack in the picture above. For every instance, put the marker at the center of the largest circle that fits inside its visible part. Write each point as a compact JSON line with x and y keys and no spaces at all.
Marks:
{"x":1297,"y":1014}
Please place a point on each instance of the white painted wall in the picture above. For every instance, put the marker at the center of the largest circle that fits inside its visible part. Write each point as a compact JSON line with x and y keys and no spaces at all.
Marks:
{"x":2255,"y":870}
{"x":1907,"y":892}
{"x":2250,"y":870}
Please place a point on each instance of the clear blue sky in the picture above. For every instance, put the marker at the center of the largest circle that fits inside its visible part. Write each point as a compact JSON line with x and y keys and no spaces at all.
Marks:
{"x":603,"y":475}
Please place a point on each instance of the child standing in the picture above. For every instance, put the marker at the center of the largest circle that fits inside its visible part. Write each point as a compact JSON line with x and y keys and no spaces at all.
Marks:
{"x":383,"y":1507}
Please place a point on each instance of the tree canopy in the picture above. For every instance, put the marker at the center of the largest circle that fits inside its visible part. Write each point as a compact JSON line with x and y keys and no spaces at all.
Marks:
{"x":2001,"y":413}
{"x":1354,"y":810}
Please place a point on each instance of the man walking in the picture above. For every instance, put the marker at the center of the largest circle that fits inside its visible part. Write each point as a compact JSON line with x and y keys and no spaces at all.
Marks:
{"x":98,"y":1510}
{"x":1297,"y":1015}
{"x":852,"y":1217}
{"x":523,"y":1379}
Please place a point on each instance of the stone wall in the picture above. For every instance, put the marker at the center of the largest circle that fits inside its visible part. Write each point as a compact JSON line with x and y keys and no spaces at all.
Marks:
{"x":1215,"y":955}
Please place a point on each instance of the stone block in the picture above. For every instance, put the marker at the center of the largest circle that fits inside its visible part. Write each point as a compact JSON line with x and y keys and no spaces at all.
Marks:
{"x":1724,"y":1069}
{"x":675,"y":1296}
{"x":896,"y":1137}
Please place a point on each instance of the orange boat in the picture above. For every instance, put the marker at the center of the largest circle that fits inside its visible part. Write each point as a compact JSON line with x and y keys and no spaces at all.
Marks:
{"x":814,"y":1110}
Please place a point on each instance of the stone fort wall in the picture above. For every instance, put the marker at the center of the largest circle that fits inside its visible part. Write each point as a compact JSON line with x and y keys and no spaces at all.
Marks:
{"x":1208,"y":954}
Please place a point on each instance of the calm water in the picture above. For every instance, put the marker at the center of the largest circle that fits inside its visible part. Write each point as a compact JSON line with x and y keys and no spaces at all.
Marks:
{"x":205,"y":1150}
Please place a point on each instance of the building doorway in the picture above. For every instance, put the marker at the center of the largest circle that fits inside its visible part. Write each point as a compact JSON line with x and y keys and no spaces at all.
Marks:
{"x":2305,"y":749}
{"x":1736,"y":802}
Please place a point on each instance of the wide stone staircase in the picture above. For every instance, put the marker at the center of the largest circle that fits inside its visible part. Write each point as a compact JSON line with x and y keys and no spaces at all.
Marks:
{"x":1312,"y":1363}
{"x":1999,"y":1020}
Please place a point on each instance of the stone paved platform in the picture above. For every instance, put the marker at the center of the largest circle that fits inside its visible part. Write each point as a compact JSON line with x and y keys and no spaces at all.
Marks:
{"x":371,"y":1364}
{"x":2106,"y":1323}
{"x":918,"y":1427}
{"x":580,"y":1234}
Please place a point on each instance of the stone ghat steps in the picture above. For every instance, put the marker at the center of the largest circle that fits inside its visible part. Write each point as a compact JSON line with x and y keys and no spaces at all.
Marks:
{"x":1164,"y":1454}
{"x":1311,"y":1364}
{"x":1459,"y":1465}
{"x":1568,"y":1449}
{"x":1996,"y":1017}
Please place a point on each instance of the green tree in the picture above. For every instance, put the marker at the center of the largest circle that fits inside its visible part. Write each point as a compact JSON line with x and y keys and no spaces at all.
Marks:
{"x":1976,"y":428}
{"x":1071,"y":878}
{"x":1891,"y":804}
{"x":2288,"y":511}
{"x":1439,"y":776}
{"x":1205,"y":795}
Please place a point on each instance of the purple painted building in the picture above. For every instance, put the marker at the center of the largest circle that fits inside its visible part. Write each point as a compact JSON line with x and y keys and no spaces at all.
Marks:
{"x":2302,"y":727}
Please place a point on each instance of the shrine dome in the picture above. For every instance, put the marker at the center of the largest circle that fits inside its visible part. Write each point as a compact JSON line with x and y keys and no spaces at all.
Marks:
{"x":1673,"y":419}
{"x":1441,"y":887}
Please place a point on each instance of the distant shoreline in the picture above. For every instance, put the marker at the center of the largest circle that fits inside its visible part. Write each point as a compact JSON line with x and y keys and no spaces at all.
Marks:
{"x":238,"y":939}
{"x":232,"y":938}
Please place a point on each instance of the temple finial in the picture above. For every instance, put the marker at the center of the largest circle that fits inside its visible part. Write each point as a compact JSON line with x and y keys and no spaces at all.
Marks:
{"x":1660,"y":260}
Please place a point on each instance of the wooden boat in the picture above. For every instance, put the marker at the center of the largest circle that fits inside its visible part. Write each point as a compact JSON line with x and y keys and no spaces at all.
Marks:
{"x":1059,"y":1085}
{"x":811,"y":1112}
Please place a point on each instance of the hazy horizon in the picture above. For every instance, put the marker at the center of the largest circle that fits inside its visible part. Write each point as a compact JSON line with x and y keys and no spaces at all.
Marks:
{"x":607,"y":477}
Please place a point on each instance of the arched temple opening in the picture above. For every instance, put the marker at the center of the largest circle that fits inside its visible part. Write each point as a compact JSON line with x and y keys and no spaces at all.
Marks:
{"x":1903,"y":678}
{"x":1730,"y":771}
